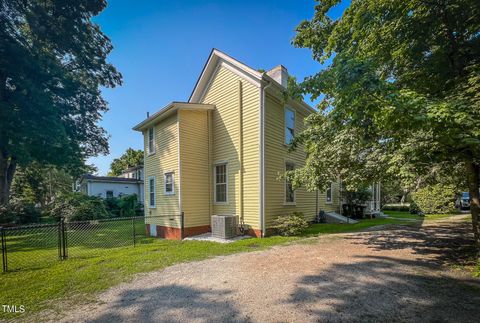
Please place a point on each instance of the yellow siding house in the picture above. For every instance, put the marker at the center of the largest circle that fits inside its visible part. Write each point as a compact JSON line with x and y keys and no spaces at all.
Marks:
{"x":222,"y":152}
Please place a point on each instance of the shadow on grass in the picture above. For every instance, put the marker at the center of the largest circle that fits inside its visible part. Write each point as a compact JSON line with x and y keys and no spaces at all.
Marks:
{"x":439,"y":243}
{"x":386,"y":289}
{"x":171,"y":303}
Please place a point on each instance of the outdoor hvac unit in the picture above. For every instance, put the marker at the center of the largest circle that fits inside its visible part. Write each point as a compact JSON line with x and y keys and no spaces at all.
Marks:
{"x":224,"y":226}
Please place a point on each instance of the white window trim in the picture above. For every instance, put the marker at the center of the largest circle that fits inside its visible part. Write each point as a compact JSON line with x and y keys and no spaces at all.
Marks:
{"x":165,"y":183}
{"x":331,"y":194}
{"x":285,"y":124}
{"x":150,"y":206}
{"x":285,"y":187}
{"x":153,"y":141}
{"x":220,"y":163}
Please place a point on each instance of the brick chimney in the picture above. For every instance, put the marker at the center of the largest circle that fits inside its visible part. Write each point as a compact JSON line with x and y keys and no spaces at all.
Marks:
{"x":280,"y":74}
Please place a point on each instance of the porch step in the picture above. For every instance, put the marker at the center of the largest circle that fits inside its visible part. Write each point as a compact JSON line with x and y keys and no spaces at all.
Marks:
{"x":333,"y":217}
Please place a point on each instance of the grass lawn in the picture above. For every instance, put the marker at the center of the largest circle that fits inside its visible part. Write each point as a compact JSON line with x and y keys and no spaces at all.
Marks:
{"x":407,"y":215}
{"x":51,"y":285}
{"x":327,"y":228}
{"x":403,"y":215}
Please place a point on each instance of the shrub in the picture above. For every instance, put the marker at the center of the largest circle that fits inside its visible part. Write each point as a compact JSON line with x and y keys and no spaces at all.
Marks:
{"x":290,"y":225}
{"x":396,"y":207}
{"x":19,"y":212}
{"x":79,"y":207}
{"x":434,"y":199}
{"x":124,"y":206}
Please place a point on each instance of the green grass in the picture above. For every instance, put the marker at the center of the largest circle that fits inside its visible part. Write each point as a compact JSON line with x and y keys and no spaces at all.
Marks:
{"x":327,"y":228}
{"x":402,"y":215}
{"x":407,"y":215}
{"x":93,"y":266}
{"x":439,"y":216}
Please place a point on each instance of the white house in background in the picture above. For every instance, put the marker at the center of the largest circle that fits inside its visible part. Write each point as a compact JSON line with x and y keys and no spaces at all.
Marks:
{"x":128,"y":183}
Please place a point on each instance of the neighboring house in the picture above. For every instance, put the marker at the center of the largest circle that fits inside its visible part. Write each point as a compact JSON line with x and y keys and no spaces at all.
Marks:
{"x":133,"y":172}
{"x":222,"y":152}
{"x":129,"y":182}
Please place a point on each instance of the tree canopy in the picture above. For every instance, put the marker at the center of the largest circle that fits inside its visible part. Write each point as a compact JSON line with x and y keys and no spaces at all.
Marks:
{"x":400,"y":98}
{"x":52,"y":67}
{"x":130,"y":158}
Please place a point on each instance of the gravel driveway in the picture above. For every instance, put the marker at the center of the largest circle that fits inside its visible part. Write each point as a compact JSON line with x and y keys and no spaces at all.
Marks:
{"x":390,"y":275}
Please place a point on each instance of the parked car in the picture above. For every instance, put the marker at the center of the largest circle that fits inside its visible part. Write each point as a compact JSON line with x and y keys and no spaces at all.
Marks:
{"x":463,"y":202}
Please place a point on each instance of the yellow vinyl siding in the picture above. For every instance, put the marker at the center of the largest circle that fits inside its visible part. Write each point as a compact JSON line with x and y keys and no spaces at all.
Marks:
{"x":195,"y":167}
{"x":276,"y":155}
{"x":165,"y":159}
{"x":334,"y":206}
{"x":224,"y":93}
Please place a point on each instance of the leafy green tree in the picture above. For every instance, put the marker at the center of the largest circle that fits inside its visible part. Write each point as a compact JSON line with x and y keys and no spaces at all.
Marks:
{"x":52,"y":66}
{"x":400,"y":96}
{"x":40,"y":185}
{"x":130,"y":158}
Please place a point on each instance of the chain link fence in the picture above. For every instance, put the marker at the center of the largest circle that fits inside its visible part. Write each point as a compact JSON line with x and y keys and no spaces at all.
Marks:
{"x":38,"y":246}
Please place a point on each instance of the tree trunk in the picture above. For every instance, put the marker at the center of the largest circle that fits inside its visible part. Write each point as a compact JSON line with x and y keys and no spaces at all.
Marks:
{"x":8,"y":166}
{"x":473,"y":173}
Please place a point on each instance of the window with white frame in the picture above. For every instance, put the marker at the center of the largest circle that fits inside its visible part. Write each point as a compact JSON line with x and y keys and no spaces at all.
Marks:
{"x":289,"y":125}
{"x":289,"y":192}
{"x":151,"y":191}
{"x":151,"y":140}
{"x":220,"y":183}
{"x":169,"y":184}
{"x":329,"y":193}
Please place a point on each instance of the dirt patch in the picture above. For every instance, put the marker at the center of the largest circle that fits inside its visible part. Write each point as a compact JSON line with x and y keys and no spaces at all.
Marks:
{"x":401,"y":275}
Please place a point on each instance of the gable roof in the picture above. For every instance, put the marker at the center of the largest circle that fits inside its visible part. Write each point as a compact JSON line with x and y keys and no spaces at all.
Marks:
{"x":109,"y":179}
{"x":169,"y":110}
{"x":217,"y":57}
{"x":257,"y":78}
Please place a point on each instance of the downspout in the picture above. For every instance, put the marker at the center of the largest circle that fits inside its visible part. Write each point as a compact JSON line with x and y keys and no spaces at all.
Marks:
{"x":210,"y":165}
{"x":262,"y":158}
{"x":240,"y":153}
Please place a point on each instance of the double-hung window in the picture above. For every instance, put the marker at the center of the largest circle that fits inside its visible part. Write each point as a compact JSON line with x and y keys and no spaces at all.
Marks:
{"x":329,"y":193}
{"x":220,"y":183}
{"x":289,"y":125}
{"x":169,"y":184}
{"x":289,"y":192}
{"x":151,"y":192}
{"x":151,"y":140}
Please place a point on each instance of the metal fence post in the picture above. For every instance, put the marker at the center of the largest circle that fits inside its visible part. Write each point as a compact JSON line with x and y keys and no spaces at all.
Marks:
{"x":64,"y":238}
{"x":182,"y":220}
{"x":133,"y":229}
{"x":4,"y":250}
{"x":59,"y":230}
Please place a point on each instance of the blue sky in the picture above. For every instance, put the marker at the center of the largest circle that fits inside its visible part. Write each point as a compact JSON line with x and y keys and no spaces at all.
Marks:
{"x":160,"y":48}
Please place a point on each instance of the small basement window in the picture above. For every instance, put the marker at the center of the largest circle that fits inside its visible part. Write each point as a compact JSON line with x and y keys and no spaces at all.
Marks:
{"x":109,"y":194}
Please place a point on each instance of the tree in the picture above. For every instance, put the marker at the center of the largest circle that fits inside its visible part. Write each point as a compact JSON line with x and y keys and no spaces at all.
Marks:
{"x":130,"y":158}
{"x":52,"y":65}
{"x":401,"y":94}
{"x":40,"y":185}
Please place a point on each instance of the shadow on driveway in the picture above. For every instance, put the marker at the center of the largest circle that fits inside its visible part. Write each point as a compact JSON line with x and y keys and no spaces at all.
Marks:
{"x":172,"y":303}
